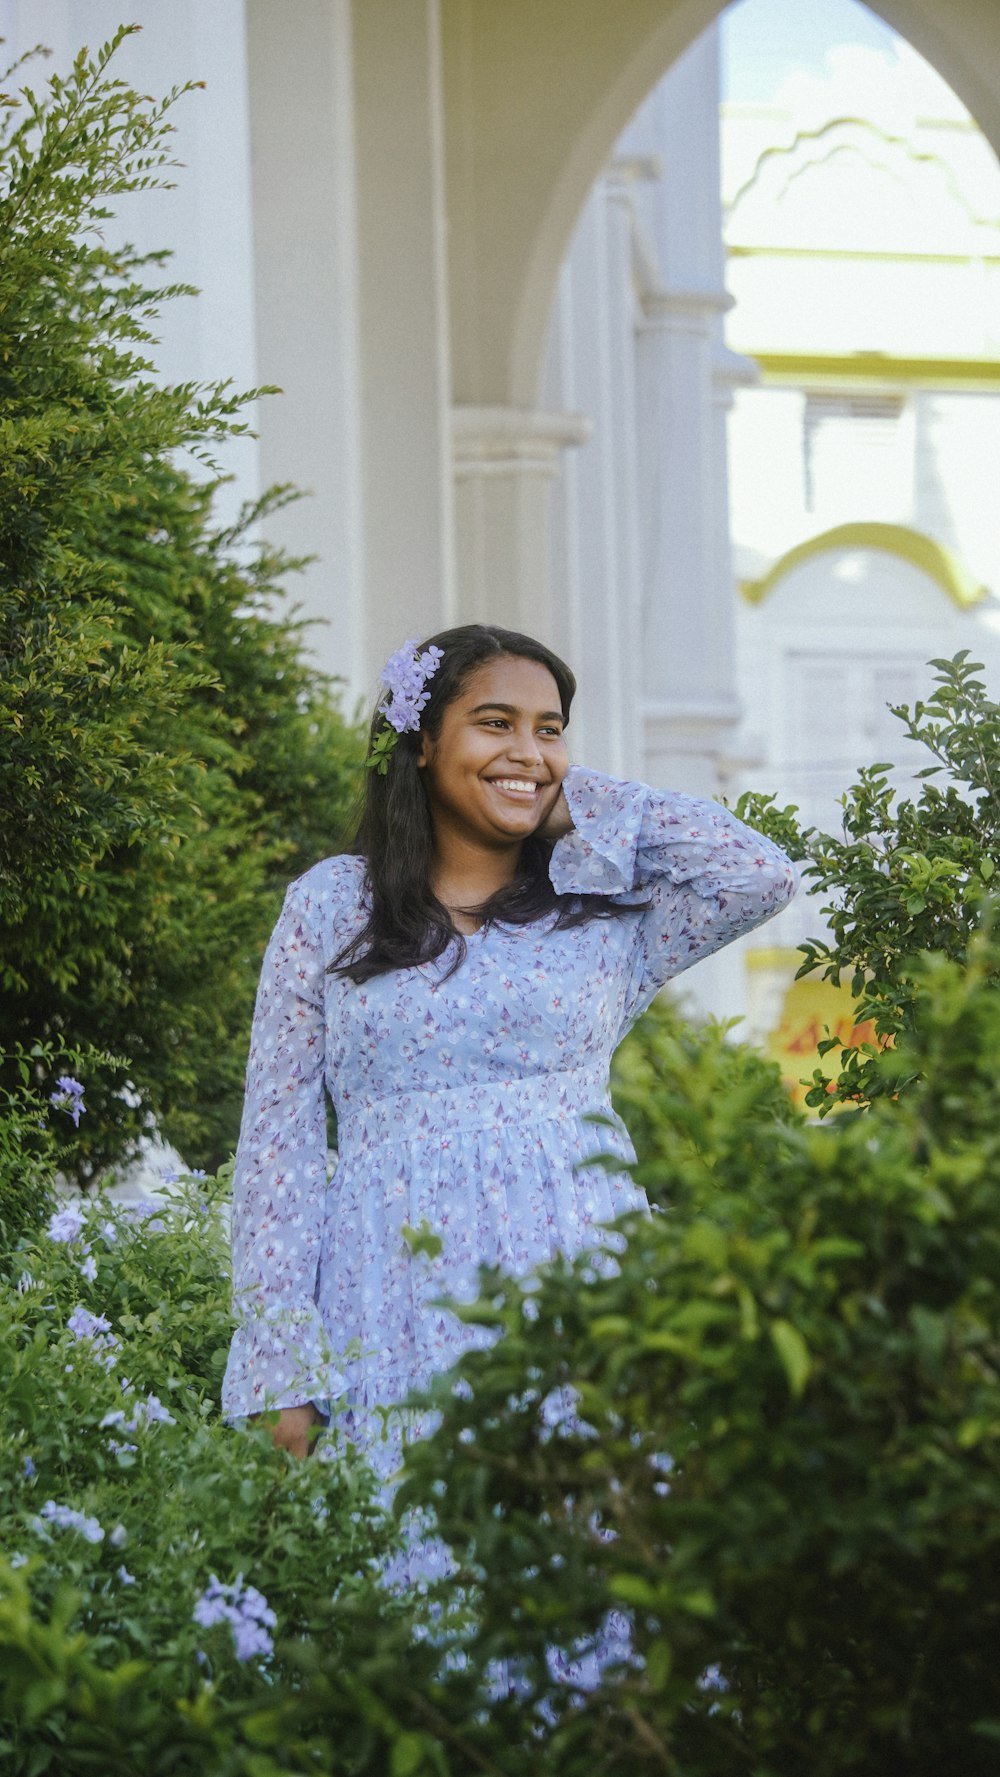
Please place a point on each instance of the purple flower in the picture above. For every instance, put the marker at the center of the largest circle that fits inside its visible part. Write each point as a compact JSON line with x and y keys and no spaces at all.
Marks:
{"x":127,"y":1579}
{"x":153,"y":1412}
{"x":406,"y":674}
{"x":106,"y":1344}
{"x":144,"y":1211}
{"x":88,"y":1267}
{"x":29,"y":1468}
{"x":84,"y":1325}
{"x":68,"y":1097}
{"x":66,"y":1225}
{"x":245,"y":1610}
{"x":68,"y":1519}
{"x":19,"y":1561}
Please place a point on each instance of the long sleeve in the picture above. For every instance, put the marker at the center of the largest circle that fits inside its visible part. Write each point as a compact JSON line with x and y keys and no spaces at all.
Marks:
{"x":279,"y":1355}
{"x":708,"y":878}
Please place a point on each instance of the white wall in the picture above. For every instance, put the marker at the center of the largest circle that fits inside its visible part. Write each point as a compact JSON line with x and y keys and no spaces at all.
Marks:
{"x":206,"y":220}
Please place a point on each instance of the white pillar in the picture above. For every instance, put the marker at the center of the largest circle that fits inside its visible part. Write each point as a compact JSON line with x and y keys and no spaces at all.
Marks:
{"x":306,"y":277}
{"x":590,"y":366}
{"x":688,"y":629}
{"x":688,"y":618}
{"x":404,"y":329}
{"x":505,"y":461}
{"x":346,"y":120}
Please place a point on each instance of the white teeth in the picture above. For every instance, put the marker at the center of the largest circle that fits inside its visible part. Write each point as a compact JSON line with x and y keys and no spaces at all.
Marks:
{"x":514,"y":783}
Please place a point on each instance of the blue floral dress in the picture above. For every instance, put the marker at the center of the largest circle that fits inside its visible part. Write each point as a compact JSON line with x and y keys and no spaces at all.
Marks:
{"x":461,"y":1101}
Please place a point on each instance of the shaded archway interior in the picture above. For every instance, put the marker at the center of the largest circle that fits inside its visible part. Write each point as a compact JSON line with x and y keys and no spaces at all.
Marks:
{"x":534,"y":99}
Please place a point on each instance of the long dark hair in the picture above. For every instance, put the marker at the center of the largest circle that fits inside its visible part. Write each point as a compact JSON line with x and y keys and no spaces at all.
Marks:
{"x":407,"y":924}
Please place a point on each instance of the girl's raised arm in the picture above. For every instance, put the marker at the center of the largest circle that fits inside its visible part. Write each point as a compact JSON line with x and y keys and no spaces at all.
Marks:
{"x":708,"y":878}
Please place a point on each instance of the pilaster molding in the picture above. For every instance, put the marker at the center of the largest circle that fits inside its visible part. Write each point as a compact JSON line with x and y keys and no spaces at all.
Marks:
{"x":692,"y":311}
{"x":733,"y":370}
{"x":513,"y":440}
{"x":696,"y":727}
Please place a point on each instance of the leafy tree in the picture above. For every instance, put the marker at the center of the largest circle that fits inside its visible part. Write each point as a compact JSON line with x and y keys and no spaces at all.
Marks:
{"x":168,"y":757}
{"x":907,"y":876}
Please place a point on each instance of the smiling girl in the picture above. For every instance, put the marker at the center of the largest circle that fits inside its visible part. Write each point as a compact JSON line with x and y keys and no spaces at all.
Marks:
{"x":458,"y":981}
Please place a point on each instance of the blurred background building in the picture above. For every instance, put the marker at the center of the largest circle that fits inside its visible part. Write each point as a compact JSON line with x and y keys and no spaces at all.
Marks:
{"x":667,"y":331}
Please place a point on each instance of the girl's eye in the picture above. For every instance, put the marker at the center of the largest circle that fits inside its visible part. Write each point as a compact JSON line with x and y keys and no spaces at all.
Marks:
{"x":501,"y":722}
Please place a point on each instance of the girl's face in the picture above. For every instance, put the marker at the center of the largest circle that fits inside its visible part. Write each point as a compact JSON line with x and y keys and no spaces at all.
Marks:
{"x":495,"y":769}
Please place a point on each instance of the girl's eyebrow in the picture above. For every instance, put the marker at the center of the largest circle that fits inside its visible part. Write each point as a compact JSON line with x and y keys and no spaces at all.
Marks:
{"x":511,"y":709}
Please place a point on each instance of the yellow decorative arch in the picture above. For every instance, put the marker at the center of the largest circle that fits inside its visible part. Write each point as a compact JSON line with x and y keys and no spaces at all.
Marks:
{"x":922,"y":552}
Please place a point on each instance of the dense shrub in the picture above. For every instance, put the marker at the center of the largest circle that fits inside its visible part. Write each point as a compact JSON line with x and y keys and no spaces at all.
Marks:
{"x":168,"y":759}
{"x":124,"y":1498}
{"x":785,"y":1401}
{"x":782,"y":1395}
{"x":907,"y":876}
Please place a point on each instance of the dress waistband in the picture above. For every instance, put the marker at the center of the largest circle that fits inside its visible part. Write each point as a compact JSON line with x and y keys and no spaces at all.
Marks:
{"x":486,"y":1104}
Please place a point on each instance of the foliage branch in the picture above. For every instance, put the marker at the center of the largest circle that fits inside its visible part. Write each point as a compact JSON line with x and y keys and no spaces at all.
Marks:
{"x":168,"y":757}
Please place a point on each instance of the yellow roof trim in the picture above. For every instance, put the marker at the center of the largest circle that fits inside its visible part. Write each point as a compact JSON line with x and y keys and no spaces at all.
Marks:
{"x":922,"y":552}
{"x":772,"y":957}
{"x":882,"y":255}
{"x":875,"y":367}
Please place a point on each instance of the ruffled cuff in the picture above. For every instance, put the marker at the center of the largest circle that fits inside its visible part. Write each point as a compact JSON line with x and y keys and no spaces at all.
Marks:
{"x":280,"y":1357}
{"x":599,"y":856}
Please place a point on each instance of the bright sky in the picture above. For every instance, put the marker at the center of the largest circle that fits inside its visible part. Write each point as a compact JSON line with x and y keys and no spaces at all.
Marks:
{"x":766,"y":41}
{"x":820,"y":57}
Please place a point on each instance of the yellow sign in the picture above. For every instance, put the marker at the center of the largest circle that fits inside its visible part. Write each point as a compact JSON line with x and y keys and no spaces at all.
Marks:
{"x":809,"y":1011}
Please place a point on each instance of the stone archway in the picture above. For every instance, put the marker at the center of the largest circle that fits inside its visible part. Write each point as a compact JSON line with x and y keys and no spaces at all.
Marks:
{"x":536,"y":94}
{"x":418,"y":171}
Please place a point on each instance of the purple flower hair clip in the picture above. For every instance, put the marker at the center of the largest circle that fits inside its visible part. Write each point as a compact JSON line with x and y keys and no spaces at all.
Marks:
{"x":405,"y":675}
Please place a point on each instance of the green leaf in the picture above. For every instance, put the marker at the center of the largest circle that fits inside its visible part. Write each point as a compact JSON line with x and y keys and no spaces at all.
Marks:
{"x":423,"y":1240}
{"x":794,"y":1354}
{"x":407,"y":1755}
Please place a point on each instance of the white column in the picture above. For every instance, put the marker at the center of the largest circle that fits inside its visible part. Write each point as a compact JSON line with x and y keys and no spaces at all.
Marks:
{"x":505,"y":460}
{"x":590,"y":367}
{"x":306,"y":279}
{"x":688,"y":616}
{"x":730,"y":371}
{"x":688,"y":621}
{"x":404,"y":328}
{"x":346,"y":120}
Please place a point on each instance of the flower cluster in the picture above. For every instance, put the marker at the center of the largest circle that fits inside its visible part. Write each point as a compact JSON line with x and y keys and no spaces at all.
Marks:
{"x":245,"y":1609}
{"x":151,"y":1411}
{"x":84,"y":1325}
{"x":66,"y":1225}
{"x":66,"y":1518}
{"x":68,"y":1097}
{"x":405,"y":676}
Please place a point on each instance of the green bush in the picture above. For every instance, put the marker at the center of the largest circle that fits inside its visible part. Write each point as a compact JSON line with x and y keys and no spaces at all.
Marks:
{"x":168,"y":758}
{"x":908,"y":876}
{"x":781,"y":1394}
{"x":785,"y":1399}
{"x":28,"y":1141}
{"x":114,"y":1327}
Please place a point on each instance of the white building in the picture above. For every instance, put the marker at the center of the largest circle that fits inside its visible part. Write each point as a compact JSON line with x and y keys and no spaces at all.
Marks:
{"x":481,"y":248}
